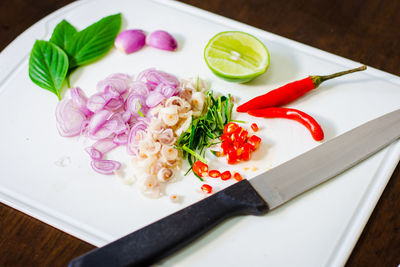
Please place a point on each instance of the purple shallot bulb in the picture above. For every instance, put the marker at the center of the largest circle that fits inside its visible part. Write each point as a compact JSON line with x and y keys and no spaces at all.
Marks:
{"x":130,"y":41}
{"x":161,"y":40}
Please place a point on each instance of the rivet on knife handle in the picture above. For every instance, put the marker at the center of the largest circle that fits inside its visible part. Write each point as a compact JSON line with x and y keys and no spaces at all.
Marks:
{"x":160,"y":239}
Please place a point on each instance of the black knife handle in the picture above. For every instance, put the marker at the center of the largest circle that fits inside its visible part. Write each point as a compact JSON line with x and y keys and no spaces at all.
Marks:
{"x":160,"y":239}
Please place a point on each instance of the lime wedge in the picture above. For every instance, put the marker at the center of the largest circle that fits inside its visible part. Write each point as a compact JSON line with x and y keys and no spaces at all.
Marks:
{"x":236,"y":56}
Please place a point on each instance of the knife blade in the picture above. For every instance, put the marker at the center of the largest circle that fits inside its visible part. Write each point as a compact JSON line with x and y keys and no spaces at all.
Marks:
{"x":257,"y":196}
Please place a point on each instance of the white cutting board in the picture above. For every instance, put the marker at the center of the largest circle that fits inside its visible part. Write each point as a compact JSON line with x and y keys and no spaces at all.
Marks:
{"x":316,"y":229}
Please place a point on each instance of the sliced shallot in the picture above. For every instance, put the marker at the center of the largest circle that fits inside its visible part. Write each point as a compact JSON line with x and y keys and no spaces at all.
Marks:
{"x":70,"y":120}
{"x":105,"y":166}
{"x":80,"y":99}
{"x":154,"y":99}
{"x":97,"y":120}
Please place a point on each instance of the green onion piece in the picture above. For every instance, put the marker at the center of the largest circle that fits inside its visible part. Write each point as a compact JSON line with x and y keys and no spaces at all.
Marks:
{"x":238,"y":121}
{"x":139,"y":111}
{"x":194,"y":154}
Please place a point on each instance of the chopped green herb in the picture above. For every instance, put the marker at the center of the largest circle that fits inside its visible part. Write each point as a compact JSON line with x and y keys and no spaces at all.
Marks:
{"x":204,"y":130}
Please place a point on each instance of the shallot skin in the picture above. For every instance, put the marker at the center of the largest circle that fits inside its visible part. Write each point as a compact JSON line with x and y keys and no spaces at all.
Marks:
{"x":130,"y":41}
{"x":162,"y":40}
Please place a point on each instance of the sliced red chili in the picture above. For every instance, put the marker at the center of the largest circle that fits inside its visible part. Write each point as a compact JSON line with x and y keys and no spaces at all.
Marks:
{"x":225,"y":137}
{"x":243,"y":135}
{"x":237,"y":176}
{"x":246,"y":152}
{"x":231,"y":128}
{"x":239,"y":151}
{"x":200,"y":168}
{"x":214,"y":174}
{"x":206,"y":188}
{"x":232,"y":156}
{"x":254,"y":141}
{"x":226,"y":175}
{"x":254,"y":127}
{"x":225,"y":147}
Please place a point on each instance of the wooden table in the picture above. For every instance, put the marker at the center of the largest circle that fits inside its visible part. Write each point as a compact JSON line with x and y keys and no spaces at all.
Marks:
{"x":367,"y":31}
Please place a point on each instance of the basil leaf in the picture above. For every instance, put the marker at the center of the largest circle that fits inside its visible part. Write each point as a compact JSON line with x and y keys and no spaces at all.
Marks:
{"x":62,"y":33}
{"x":48,"y":66}
{"x":93,"y":42}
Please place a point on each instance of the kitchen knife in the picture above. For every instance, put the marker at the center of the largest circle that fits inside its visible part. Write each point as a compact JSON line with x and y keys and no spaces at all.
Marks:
{"x":255,"y":196}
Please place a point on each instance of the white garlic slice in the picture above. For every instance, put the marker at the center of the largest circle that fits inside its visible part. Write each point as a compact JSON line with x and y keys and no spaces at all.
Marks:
{"x":188,"y":84}
{"x":156,"y":167}
{"x":147,"y":163}
{"x":197,"y":100}
{"x":154,"y":111}
{"x":151,"y":188}
{"x":165,"y":174}
{"x":183,"y":126}
{"x":169,"y":115}
{"x":149,"y":147}
{"x":186,"y":114}
{"x":174,"y":101}
{"x":155,"y":127}
{"x":186,"y":94}
{"x":166,"y":137}
{"x":168,"y":153}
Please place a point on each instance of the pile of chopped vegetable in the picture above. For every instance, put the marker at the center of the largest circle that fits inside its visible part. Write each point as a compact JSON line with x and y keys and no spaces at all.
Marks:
{"x":116,"y":114}
{"x":205,"y":131}
{"x":156,"y":153}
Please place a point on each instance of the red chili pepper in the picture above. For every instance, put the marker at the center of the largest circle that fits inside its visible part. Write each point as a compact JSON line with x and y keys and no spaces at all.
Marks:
{"x":246,"y":152}
{"x":254,"y":142}
{"x":226,"y":175}
{"x":237,"y":176}
{"x":254,"y":127}
{"x":206,"y":188}
{"x":200,"y":168}
{"x":232,"y":156}
{"x":293,"y":114}
{"x":231,"y":128}
{"x":290,"y":92}
{"x":214,"y":174}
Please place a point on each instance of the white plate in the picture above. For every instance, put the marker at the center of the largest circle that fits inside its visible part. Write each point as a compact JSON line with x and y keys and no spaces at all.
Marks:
{"x":319,"y":228}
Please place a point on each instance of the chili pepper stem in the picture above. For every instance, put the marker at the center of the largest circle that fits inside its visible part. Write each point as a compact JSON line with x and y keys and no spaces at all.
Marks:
{"x":317,"y":80}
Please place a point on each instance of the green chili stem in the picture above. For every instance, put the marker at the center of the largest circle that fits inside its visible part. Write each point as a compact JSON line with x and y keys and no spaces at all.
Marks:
{"x":317,"y":80}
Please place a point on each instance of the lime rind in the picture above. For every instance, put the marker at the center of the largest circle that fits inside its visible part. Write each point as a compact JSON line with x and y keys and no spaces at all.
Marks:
{"x":236,"y":56}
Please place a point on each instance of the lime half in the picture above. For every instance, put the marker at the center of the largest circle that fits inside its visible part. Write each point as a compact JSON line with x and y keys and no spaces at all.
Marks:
{"x":236,"y":56}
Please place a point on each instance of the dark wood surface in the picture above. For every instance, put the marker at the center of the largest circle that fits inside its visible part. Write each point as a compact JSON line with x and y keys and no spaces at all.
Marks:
{"x":367,"y":31}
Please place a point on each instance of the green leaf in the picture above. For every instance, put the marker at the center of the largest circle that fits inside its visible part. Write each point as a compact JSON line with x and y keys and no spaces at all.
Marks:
{"x":93,"y":42}
{"x":48,"y":66}
{"x":62,"y":33}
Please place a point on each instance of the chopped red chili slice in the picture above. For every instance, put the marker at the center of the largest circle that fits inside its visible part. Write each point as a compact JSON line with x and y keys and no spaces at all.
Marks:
{"x":246,"y":152}
{"x":226,"y":175}
{"x":254,"y":141}
{"x":231,"y":128}
{"x":214,"y":174}
{"x":232,"y":156}
{"x":237,"y":176}
{"x":243,"y":135}
{"x":254,"y":127}
{"x":200,"y":168}
{"x":206,"y":188}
